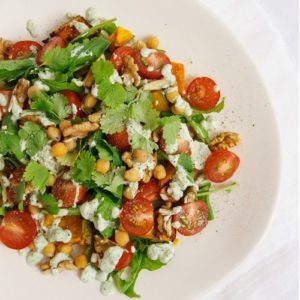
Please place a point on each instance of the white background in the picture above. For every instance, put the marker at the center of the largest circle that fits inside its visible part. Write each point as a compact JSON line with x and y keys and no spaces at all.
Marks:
{"x":269,"y":31}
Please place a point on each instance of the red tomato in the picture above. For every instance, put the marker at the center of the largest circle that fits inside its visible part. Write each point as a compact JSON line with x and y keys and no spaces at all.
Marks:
{"x":23,"y":48}
{"x":119,"y":140}
{"x":3,"y":109}
{"x":117,"y":58}
{"x":137,"y":216}
{"x":149,"y":191}
{"x":17,"y":229}
{"x":73,"y":98}
{"x":150,"y":67}
{"x":14,"y":179}
{"x":125,"y":259}
{"x":52,"y":43}
{"x":192,"y":218}
{"x":183,"y":146}
{"x":66,"y":191}
{"x":202,"y":93}
{"x":221,"y":165}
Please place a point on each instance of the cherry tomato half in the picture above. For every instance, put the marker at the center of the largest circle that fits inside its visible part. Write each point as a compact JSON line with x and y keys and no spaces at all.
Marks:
{"x":149,"y":191}
{"x":17,"y":229}
{"x":137,"y":216}
{"x":73,"y":98}
{"x":119,"y":140}
{"x":221,"y":165}
{"x":202,"y":93}
{"x":117,"y":58}
{"x":23,"y":48}
{"x":192,"y":218}
{"x":5,"y":103}
{"x":66,"y":191}
{"x":52,"y":43}
{"x":125,"y":259}
{"x":150,"y":67}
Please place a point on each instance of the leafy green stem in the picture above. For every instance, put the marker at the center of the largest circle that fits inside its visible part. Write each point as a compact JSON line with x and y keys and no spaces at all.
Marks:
{"x":227,"y":188}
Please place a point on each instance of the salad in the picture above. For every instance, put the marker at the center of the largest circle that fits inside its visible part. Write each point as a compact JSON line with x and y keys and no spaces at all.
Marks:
{"x":107,"y":158}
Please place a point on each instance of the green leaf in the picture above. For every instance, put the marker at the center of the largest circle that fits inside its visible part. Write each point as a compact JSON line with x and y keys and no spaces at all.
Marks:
{"x":114,"y":120}
{"x":109,"y":27}
{"x":57,"y":86}
{"x":196,"y":123}
{"x":11,"y":126}
{"x":102,"y":69}
{"x":50,"y":202}
{"x":138,"y":141}
{"x":2,"y":210}
{"x":37,"y":174}
{"x":20,"y":189}
{"x":58,"y":59}
{"x":35,"y":137}
{"x":216,"y":109}
{"x":10,"y":144}
{"x":171,"y":127}
{"x":113,"y":95}
{"x":205,"y":198}
{"x":143,"y":111}
{"x":14,"y":69}
{"x":83,"y":167}
{"x":55,"y":107}
{"x":186,"y":162}
{"x":131,"y":92}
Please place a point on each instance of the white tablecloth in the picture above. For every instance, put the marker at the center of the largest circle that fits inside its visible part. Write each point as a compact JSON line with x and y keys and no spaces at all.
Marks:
{"x":268,"y":28}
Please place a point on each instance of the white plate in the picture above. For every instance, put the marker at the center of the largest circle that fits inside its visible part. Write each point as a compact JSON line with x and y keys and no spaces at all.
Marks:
{"x":191,"y":35}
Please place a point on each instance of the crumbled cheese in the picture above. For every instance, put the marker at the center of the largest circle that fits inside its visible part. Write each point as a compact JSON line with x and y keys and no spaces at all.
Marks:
{"x":62,"y":212}
{"x":111,"y":258}
{"x":40,"y":242}
{"x":133,"y":249}
{"x":33,"y":49}
{"x":88,"y":274}
{"x":77,"y":82}
{"x":3,"y":100}
{"x":211,"y":125}
{"x":76,"y":50}
{"x":44,"y":120}
{"x":179,"y":183}
{"x":200,"y":153}
{"x":182,"y":104}
{"x":145,"y":52}
{"x":166,"y":71}
{"x":176,"y":224}
{"x":24,"y":251}
{"x":100,"y":223}
{"x":32,"y":29}
{"x":85,"y":54}
{"x":173,"y":159}
{"x":133,"y":188}
{"x":74,"y":109}
{"x":108,"y":287}
{"x":101,"y":276}
{"x":15,"y":109}
{"x":134,"y":127}
{"x":150,"y":68}
{"x":88,"y":209}
{"x":46,"y":75}
{"x":41,"y":86}
{"x":95,"y":90}
{"x":115,"y":78}
{"x":91,"y":14}
{"x":143,"y":167}
{"x":57,"y":234}
{"x":184,"y":132}
{"x":115,"y":212}
{"x":23,"y":145}
{"x":81,"y":27}
{"x":45,"y":158}
{"x":33,"y":258}
{"x":163,"y":252}
{"x":171,"y":148}
{"x":216,"y":89}
{"x":126,"y":274}
{"x":56,"y":260}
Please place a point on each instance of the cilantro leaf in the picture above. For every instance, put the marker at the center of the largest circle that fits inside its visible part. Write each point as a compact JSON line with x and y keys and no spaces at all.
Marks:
{"x":50,"y":202}
{"x":143,"y":111}
{"x":37,"y":174}
{"x":114,"y":120}
{"x":55,"y":107}
{"x":138,"y":141}
{"x":10,"y":144}
{"x":171,"y":127}
{"x":186,"y":161}
{"x":13,"y":69}
{"x":56,"y":86}
{"x":102,"y":69}
{"x":58,"y":59}
{"x":115,"y":96}
{"x":34,"y":136}
{"x":83,"y":167}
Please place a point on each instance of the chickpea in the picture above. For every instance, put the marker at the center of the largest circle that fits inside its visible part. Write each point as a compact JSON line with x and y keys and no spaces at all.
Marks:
{"x":32,"y":91}
{"x":64,"y":124}
{"x":121,"y":237}
{"x":127,"y":193}
{"x":89,"y":101}
{"x":48,"y":220}
{"x":70,"y":144}
{"x":159,"y":101}
{"x":177,"y":110}
{"x":81,"y":261}
{"x":33,"y":209}
{"x":172,"y":94}
{"x":140,"y":156}
{"x":102,"y":166}
{"x":127,"y":158}
{"x":132,"y":175}
{"x":65,"y":248}
{"x":59,"y":149}
{"x":152,"y":42}
{"x":147,"y":176}
{"x":51,"y":180}
{"x":49,"y":250}
{"x":53,"y":133}
{"x":160,"y":172}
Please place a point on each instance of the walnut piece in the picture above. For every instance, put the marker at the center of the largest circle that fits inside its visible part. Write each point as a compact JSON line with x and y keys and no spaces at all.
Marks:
{"x":20,"y":91}
{"x":67,"y":265}
{"x":88,"y":81}
{"x":156,"y":85}
{"x":80,"y":130}
{"x":101,"y":245}
{"x":130,"y":75}
{"x":4,"y":45}
{"x":44,"y":267}
{"x":224,"y":141}
{"x":95,"y":117}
